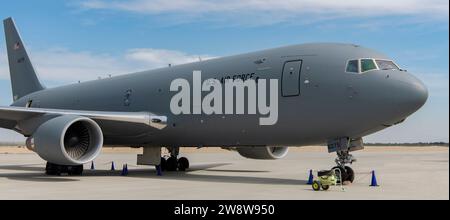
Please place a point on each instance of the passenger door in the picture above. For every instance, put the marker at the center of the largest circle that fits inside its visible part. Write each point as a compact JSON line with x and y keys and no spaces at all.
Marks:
{"x":290,"y":82}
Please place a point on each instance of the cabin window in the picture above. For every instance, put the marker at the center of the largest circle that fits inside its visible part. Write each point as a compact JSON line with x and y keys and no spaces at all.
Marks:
{"x":353,"y":66}
{"x":367,"y":65}
{"x":387,"y":65}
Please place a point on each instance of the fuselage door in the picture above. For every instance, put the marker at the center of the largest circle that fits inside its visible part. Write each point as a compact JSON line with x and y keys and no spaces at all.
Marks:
{"x":290,"y":82}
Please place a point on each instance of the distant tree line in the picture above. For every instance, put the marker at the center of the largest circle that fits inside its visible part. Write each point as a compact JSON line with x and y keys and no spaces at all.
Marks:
{"x":11,"y":144}
{"x":443,"y":144}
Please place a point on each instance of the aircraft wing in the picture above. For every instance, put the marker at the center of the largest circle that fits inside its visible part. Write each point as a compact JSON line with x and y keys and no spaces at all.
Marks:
{"x":9,"y":116}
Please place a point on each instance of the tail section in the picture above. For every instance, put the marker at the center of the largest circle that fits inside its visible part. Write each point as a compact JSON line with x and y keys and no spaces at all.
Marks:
{"x":23,"y":77}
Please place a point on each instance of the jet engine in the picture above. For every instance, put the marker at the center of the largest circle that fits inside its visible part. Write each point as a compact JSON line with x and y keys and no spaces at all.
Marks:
{"x":263,"y":153}
{"x":67,"y":140}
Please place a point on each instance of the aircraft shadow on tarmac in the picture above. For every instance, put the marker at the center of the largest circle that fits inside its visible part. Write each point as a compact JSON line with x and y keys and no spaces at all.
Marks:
{"x":237,"y":171}
{"x":27,"y":167}
{"x":37,"y":175}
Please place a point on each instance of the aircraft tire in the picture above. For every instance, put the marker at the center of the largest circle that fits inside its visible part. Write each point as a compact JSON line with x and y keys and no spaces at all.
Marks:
{"x":75,"y":170}
{"x":172,"y":164}
{"x":52,"y":169}
{"x":163,"y":164}
{"x":350,"y":174}
{"x":343,"y":174}
{"x":183,"y":164}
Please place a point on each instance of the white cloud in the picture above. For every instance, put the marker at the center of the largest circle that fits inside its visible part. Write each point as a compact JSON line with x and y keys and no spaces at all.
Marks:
{"x":65,"y":65}
{"x":62,"y":65}
{"x":162,"y":57}
{"x":274,"y":11}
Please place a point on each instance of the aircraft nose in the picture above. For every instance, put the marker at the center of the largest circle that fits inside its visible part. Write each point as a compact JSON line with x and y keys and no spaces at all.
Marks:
{"x":411,"y":93}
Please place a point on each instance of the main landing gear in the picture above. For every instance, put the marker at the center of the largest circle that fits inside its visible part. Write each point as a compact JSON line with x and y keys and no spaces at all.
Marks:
{"x":173,"y":163}
{"x":346,"y":172}
{"x":56,"y":170}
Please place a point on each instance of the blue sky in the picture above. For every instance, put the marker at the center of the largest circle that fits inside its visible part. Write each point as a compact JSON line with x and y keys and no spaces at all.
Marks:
{"x":81,"y":40}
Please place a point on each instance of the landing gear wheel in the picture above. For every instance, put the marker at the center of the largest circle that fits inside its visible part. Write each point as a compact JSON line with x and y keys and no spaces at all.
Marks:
{"x":52,"y":169}
{"x":172,"y":164}
{"x":350,"y":174}
{"x":75,"y":170}
{"x":341,"y":173}
{"x":163,"y":164}
{"x":316,"y":186}
{"x":325,"y":187}
{"x":183,"y":164}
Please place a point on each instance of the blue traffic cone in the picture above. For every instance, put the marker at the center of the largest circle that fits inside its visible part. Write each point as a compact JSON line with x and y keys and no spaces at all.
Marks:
{"x":112,"y":166}
{"x":92,"y":166}
{"x":158,"y":170}
{"x":374,"y":179}
{"x":311,"y":178}
{"x":124,"y":170}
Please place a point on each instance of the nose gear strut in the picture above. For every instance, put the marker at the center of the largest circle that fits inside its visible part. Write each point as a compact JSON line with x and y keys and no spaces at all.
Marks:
{"x":343,"y":147}
{"x":344,"y":157}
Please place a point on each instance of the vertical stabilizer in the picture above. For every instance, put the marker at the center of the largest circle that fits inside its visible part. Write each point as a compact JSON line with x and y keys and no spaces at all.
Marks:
{"x":23,"y":76}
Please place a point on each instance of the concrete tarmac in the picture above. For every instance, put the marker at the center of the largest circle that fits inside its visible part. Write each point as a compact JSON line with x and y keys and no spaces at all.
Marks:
{"x":401,"y":174}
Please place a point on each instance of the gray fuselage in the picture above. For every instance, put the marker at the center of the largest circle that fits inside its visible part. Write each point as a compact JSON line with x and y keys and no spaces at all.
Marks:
{"x":331,"y":103}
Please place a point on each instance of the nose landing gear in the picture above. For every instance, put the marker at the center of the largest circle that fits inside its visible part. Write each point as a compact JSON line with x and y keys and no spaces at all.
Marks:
{"x":347,"y":173}
{"x":343,"y":147}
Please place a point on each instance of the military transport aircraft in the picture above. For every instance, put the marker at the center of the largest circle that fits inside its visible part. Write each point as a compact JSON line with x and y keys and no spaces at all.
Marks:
{"x":257,"y":104}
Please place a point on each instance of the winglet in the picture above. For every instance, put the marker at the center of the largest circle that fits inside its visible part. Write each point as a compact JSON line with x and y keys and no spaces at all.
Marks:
{"x":23,"y":76}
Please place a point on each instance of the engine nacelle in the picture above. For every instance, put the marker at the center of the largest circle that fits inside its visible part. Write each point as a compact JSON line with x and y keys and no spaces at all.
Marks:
{"x":263,"y":153}
{"x":67,"y":140}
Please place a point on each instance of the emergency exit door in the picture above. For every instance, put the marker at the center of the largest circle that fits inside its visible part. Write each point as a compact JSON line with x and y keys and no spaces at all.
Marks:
{"x":290,"y":82}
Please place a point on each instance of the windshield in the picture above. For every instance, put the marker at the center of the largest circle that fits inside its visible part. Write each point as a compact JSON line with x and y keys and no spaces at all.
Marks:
{"x":387,"y":65}
{"x":353,"y":66}
{"x":367,"y":65}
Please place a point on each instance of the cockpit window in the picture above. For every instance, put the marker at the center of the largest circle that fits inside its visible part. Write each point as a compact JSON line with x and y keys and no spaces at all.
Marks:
{"x":367,"y":65}
{"x":353,"y":66}
{"x":387,"y":65}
